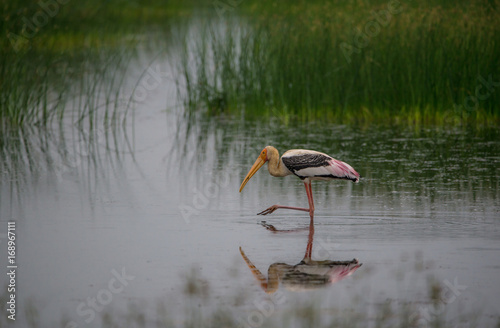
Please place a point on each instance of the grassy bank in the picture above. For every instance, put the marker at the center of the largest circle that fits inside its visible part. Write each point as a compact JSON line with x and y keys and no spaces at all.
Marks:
{"x":368,"y":61}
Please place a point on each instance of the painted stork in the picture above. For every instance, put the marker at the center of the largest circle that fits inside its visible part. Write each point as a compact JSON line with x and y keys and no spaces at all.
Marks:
{"x":308,"y":165}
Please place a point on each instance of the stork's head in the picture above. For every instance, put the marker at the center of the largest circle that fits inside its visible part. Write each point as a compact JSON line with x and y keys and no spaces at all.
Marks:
{"x":261,"y":160}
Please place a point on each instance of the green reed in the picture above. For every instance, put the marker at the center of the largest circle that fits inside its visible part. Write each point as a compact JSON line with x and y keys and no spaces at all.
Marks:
{"x":49,"y":46}
{"x":64,"y":101}
{"x":357,"y":61}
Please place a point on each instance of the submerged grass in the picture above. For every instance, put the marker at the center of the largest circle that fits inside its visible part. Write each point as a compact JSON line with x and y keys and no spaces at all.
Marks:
{"x":62,"y":73}
{"x":356,"y":61}
{"x":46,"y":100}
{"x":64,"y":99}
{"x":201,"y":309}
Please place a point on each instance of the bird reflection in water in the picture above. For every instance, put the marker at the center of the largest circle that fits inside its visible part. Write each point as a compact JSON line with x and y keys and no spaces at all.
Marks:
{"x":306,"y":275}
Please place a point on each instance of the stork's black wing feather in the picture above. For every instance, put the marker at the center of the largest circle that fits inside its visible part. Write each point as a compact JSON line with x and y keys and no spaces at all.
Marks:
{"x":299,"y":162}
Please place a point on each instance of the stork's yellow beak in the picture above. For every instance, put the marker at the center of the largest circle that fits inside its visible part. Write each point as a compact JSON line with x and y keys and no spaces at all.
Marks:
{"x":261,"y":160}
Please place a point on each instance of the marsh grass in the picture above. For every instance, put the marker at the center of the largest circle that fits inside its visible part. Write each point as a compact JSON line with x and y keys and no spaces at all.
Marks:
{"x":201,"y":310}
{"x":46,"y":111}
{"x":80,"y":51}
{"x":63,"y":72}
{"x":357,"y":61}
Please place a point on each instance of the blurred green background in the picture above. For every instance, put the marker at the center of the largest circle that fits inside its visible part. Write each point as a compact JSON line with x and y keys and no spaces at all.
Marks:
{"x":343,"y":61}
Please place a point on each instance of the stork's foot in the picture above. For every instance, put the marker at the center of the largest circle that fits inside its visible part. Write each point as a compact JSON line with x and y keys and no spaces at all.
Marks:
{"x":269,"y":210}
{"x":273,"y":229}
{"x":275,"y":207}
{"x":269,"y":227}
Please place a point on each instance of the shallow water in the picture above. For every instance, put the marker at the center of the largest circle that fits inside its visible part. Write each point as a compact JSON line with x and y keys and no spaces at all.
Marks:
{"x":166,"y":211}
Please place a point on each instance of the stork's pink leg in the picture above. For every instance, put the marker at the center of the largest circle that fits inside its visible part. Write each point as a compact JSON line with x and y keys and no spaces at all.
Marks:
{"x":309,"y":196}
{"x":308,"y":254}
{"x":273,"y":208}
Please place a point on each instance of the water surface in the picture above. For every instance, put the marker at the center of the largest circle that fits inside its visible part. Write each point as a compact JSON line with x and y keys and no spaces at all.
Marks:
{"x":166,"y":211}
